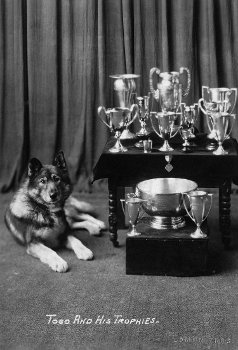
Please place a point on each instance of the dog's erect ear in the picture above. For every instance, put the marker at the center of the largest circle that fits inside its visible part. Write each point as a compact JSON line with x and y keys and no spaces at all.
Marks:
{"x":34,"y":167}
{"x":59,"y":161}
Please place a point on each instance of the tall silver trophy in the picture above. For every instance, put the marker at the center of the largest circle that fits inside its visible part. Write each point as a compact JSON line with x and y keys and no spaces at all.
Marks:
{"x":124,"y":88}
{"x":189,"y":118}
{"x":198,"y":209}
{"x":117,"y":120}
{"x":168,"y":93}
{"x":135,"y":213}
{"x":218,"y":100}
{"x":143,"y":116}
{"x":222,"y":125}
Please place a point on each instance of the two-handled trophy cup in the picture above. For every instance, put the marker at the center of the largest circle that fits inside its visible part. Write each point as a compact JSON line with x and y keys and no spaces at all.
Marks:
{"x":117,"y":119}
{"x":198,"y":211}
{"x":168,"y":94}
{"x":164,"y":126}
{"x":222,"y":125}
{"x":124,"y":88}
{"x":135,"y":213}
{"x":217,"y":100}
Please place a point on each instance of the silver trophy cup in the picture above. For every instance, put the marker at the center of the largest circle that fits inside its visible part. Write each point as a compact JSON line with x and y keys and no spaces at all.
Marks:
{"x":221,"y":100}
{"x":124,"y":91}
{"x":222,"y":125}
{"x":169,"y":90}
{"x":164,"y":126}
{"x":197,"y":211}
{"x":143,"y":116}
{"x":135,"y":213}
{"x":189,"y":116}
{"x":117,"y":119}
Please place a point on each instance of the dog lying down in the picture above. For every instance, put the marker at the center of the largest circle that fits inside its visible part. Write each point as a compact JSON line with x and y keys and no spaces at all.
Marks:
{"x":43,"y":213}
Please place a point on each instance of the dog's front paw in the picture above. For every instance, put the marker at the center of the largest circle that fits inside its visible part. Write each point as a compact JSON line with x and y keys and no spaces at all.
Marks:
{"x":58,"y":264}
{"x":84,"y":253}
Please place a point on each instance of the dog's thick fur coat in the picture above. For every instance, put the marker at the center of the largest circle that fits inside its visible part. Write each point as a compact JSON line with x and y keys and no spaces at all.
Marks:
{"x":43,"y":211}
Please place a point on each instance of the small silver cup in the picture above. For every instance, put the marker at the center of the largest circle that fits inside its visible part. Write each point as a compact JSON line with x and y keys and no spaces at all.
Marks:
{"x":147,"y":144}
{"x":135,"y":213}
{"x":197,"y":200}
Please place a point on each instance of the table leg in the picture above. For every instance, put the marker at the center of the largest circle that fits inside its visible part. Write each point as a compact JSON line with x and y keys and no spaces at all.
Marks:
{"x":225,"y":212}
{"x":113,"y":213}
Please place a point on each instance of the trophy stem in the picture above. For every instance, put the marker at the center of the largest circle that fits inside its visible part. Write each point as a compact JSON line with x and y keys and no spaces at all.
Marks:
{"x":198,"y":233}
{"x":118,"y":146}
{"x":166,"y":147}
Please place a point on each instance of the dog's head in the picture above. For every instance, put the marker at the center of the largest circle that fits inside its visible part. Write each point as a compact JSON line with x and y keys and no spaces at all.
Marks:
{"x":49,"y":184}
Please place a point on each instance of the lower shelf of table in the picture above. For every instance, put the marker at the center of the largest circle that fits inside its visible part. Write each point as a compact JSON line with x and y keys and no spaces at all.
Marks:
{"x":167,"y":252}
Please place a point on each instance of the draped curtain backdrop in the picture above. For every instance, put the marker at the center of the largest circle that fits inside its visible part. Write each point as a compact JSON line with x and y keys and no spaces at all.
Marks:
{"x":56,"y":57}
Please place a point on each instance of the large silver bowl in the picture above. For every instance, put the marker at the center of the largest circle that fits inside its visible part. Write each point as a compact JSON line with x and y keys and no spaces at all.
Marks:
{"x":164,"y":200}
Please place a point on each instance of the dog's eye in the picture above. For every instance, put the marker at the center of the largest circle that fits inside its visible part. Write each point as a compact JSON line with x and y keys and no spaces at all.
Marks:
{"x":55,"y":178}
{"x":43,"y":181}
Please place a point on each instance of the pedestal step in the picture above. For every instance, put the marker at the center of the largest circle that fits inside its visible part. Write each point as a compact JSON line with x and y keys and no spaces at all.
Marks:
{"x":167,"y":252}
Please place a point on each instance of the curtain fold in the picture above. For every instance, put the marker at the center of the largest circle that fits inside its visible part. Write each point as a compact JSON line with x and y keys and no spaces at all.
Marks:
{"x":56,"y":58}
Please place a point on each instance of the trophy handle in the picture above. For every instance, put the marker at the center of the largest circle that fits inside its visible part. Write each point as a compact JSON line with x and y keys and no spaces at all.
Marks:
{"x":123,"y":205}
{"x":185,"y":206}
{"x":102,"y":113}
{"x":152,"y":123}
{"x":226,"y":126}
{"x":143,"y":212}
{"x":235,"y":98}
{"x":157,"y":70}
{"x":182,"y":107}
{"x":209,"y":124}
{"x":200,"y":105}
{"x":186,"y":91}
{"x":133,"y":110}
{"x":208,"y":195}
{"x":174,"y":130}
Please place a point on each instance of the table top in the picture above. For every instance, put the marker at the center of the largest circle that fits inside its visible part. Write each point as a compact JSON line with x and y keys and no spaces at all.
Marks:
{"x":200,"y":163}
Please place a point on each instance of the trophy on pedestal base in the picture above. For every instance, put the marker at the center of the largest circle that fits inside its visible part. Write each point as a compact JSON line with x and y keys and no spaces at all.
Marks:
{"x":117,"y":119}
{"x":213,"y":101}
{"x":197,"y":201}
{"x":135,"y":213}
{"x":124,"y":91}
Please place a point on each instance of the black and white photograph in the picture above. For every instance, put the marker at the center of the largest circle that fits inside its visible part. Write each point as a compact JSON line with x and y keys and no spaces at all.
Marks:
{"x":118,"y":175}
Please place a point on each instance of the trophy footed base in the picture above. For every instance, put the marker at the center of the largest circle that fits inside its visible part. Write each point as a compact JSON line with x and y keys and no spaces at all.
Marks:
{"x":220,"y":151}
{"x":127,"y":134}
{"x":165,"y":223}
{"x":118,"y":148}
{"x":143,"y":132}
{"x":166,"y":147}
{"x":133,"y":233}
{"x":198,"y":234}
{"x":186,"y":149}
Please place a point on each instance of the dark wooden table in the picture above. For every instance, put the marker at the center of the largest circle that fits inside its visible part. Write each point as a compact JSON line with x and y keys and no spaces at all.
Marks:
{"x":202,"y":166}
